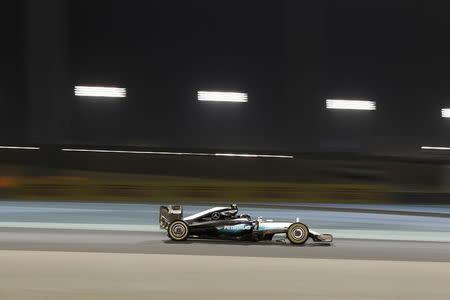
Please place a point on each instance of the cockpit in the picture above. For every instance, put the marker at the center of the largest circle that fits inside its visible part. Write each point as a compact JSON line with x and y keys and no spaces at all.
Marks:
{"x":216,"y":213}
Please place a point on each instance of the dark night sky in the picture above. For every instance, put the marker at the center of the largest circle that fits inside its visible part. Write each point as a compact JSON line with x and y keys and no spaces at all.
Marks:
{"x":12,"y":95}
{"x":288,"y":55}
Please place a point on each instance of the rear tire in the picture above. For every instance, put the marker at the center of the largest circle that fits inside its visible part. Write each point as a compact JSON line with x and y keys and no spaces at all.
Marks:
{"x":178,"y":231}
{"x":297,"y":233}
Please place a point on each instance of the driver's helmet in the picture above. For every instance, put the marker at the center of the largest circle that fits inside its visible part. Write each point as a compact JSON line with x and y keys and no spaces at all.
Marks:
{"x":232,"y":211}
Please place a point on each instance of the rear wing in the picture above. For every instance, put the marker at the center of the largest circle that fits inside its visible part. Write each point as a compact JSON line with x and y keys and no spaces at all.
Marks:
{"x":168,"y":214}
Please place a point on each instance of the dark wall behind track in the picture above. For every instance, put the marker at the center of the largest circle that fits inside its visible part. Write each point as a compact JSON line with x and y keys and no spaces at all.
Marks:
{"x":288,"y":55}
{"x":13,"y":119}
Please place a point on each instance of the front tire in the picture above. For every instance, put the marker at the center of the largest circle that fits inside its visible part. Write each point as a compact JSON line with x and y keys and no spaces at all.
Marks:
{"x":178,"y":231}
{"x":297,"y":233}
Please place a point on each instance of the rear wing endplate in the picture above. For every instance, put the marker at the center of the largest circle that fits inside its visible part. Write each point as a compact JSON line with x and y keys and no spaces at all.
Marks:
{"x":168,"y":214}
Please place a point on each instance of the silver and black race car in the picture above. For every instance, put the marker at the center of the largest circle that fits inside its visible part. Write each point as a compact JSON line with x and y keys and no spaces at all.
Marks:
{"x":225,"y":223}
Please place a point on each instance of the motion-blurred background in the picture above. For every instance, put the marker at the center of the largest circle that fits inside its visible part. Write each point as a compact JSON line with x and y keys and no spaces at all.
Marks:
{"x":288,"y":57}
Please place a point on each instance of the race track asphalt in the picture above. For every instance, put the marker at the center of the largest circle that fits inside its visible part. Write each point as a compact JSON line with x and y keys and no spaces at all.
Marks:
{"x":96,"y":251}
{"x":158,"y":243}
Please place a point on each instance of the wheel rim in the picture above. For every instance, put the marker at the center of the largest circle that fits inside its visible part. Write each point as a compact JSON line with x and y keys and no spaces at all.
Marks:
{"x":178,"y":230}
{"x":298,"y":233}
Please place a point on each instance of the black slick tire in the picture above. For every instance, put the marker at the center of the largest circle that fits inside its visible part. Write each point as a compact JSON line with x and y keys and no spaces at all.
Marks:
{"x":297,"y":233}
{"x":178,"y":231}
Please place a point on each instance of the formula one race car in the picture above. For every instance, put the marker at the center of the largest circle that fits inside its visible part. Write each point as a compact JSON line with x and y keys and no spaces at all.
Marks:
{"x":225,"y":223}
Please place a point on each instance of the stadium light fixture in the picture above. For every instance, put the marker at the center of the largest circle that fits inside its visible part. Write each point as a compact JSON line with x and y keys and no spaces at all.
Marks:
{"x":351,"y":104}
{"x":222,"y":96}
{"x":253,"y":155}
{"x":131,"y":152}
{"x":435,"y":148}
{"x":176,"y":153}
{"x":445,"y":112}
{"x":100,"y":91}
{"x":19,"y":148}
